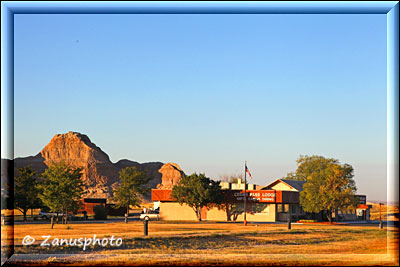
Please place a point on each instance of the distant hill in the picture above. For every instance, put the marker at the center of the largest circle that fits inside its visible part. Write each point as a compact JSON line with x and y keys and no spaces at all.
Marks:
{"x":99,"y":173}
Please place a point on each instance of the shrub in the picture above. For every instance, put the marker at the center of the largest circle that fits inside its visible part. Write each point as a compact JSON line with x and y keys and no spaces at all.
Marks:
{"x":100,"y":212}
{"x":307,"y":221}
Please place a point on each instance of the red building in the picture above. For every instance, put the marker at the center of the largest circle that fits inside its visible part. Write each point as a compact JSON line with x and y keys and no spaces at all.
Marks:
{"x":88,"y":205}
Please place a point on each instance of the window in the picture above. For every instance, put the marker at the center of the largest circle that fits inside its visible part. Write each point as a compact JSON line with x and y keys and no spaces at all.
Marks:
{"x":293,"y":209}
{"x":286,"y":208}
{"x":281,"y":208}
{"x":278,"y":208}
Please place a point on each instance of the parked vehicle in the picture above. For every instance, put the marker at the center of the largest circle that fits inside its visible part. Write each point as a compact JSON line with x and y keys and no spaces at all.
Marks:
{"x":150,"y":216}
{"x":44,"y":215}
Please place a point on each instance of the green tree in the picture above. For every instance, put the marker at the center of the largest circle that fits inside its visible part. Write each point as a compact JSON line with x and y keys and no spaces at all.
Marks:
{"x":132,"y":187}
{"x":61,"y":188}
{"x":307,"y":165}
{"x":328,"y":188}
{"x":197,"y":191}
{"x":26,"y":194}
{"x":233,"y":210}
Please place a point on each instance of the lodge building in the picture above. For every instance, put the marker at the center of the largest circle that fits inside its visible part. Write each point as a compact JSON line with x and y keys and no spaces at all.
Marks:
{"x":274,"y":202}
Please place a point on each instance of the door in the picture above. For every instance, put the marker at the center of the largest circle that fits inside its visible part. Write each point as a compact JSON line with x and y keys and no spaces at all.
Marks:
{"x":204,"y":213}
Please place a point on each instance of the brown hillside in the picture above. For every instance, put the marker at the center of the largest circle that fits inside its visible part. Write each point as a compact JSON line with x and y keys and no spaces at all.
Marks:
{"x":99,"y":173}
{"x":171,"y":174}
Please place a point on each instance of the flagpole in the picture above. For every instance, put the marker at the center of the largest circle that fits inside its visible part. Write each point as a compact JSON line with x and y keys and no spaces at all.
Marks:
{"x":245,"y":182}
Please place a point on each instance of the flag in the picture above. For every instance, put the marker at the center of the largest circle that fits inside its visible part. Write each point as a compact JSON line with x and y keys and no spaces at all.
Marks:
{"x":248,"y":172}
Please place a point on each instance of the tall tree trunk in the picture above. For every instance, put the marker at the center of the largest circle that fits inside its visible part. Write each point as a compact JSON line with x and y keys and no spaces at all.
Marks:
{"x":66,"y":216}
{"x":127,"y":208}
{"x":127,"y":214}
{"x":330,"y":216}
{"x":24,"y":212}
{"x":62,"y":216}
{"x":228,"y":212}
{"x":198,"y":214}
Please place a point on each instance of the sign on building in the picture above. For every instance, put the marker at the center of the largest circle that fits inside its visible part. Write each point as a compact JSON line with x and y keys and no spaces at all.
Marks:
{"x":256,"y":196}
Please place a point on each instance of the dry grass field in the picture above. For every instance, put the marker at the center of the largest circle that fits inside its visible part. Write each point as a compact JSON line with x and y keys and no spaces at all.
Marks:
{"x":387,"y":211}
{"x":178,"y":243}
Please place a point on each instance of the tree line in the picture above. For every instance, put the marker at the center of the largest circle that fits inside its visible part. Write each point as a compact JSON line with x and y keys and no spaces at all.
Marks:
{"x":60,"y":188}
{"x":329,"y":186}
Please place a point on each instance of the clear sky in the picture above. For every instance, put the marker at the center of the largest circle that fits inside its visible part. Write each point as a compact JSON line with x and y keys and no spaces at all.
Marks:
{"x":208,"y":91}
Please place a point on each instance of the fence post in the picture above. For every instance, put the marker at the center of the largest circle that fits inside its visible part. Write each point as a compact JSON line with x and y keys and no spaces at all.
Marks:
{"x":146,"y":226}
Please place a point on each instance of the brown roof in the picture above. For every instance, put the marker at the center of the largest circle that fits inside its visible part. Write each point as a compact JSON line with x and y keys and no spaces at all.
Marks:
{"x":298,"y":185}
{"x":161,"y":195}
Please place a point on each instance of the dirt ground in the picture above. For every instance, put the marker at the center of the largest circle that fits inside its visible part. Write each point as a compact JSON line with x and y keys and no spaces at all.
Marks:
{"x":210,"y":243}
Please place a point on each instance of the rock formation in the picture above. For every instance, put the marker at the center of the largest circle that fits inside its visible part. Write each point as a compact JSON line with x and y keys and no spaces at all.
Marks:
{"x":77,"y":150}
{"x":171,"y":174}
{"x":99,"y":173}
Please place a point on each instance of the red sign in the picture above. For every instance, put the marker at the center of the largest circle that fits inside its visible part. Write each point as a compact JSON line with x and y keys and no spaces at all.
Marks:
{"x":263,"y":196}
{"x":233,"y":196}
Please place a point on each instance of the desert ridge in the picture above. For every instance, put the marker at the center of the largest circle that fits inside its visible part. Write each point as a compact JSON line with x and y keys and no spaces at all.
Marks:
{"x":99,"y":173}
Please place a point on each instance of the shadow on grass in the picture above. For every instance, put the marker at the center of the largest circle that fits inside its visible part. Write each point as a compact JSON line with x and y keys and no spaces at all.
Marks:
{"x":199,"y":243}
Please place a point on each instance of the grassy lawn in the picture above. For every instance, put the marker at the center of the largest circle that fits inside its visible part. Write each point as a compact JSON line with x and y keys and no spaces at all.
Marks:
{"x":385,"y":211}
{"x":177,"y":241}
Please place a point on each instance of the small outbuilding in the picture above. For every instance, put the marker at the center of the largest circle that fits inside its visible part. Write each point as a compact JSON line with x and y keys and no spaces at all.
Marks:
{"x":88,"y":205}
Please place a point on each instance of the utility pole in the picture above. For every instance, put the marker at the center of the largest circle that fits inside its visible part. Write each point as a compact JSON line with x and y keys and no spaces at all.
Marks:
{"x":380,"y":216}
{"x":245,"y":185}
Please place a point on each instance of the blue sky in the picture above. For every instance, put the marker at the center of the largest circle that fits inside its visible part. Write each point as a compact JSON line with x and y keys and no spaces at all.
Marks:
{"x":208,"y":91}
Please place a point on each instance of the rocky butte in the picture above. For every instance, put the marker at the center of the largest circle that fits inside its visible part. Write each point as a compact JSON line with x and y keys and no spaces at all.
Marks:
{"x":99,"y":173}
